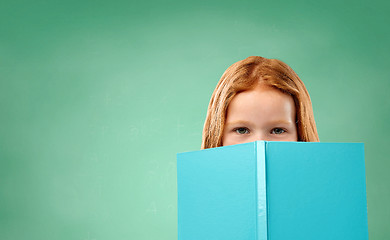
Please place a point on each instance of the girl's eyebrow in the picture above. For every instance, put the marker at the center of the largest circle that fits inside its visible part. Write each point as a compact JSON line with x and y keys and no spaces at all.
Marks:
{"x":280,"y":122}
{"x":238,"y":122}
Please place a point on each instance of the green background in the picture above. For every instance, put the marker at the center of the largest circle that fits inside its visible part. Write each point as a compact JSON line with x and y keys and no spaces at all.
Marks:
{"x":97,"y":97}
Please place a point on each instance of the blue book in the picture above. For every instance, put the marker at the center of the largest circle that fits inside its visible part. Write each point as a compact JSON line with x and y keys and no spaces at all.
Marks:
{"x":273,"y":191}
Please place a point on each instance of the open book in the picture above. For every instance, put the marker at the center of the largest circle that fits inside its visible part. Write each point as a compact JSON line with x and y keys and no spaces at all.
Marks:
{"x":273,"y":191}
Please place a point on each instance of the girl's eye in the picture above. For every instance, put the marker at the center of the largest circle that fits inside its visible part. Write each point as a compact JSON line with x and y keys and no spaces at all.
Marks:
{"x":242,"y":130}
{"x":278,"y":131}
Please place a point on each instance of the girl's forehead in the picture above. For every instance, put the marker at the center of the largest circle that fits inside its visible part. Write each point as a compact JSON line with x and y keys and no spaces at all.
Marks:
{"x":261,"y":103}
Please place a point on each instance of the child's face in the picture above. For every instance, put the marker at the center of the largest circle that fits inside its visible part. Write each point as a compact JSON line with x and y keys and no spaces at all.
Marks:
{"x":263,"y":113}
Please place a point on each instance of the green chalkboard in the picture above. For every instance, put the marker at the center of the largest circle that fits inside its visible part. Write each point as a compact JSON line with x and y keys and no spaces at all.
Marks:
{"x":97,"y":97}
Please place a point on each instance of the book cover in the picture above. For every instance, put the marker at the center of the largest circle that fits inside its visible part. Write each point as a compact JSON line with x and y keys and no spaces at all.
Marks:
{"x":273,"y":191}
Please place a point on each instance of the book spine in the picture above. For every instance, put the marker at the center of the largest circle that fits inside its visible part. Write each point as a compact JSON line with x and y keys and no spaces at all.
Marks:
{"x":261,"y":215}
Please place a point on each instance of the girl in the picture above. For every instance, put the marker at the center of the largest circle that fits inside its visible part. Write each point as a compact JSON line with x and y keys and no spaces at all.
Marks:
{"x":259,"y":99}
